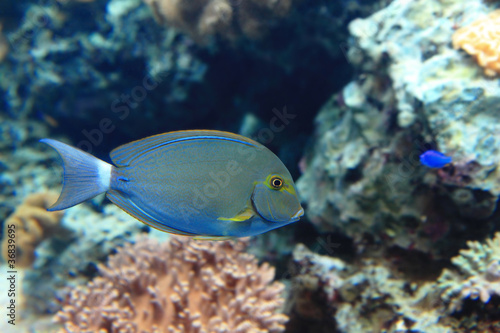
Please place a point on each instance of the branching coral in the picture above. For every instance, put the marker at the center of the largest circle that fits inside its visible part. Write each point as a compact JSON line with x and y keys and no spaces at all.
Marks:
{"x":480,"y":264}
{"x":203,"y":18}
{"x":481,"y":39}
{"x":182,"y":285}
{"x":32,"y":224}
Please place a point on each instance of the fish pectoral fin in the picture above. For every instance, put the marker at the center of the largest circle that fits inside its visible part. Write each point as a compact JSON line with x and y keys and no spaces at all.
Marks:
{"x":245,"y":215}
{"x":212,"y":238}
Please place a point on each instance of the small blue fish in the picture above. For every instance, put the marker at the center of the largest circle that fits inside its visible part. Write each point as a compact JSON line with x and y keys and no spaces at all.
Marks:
{"x":434,"y":159}
{"x":207,"y":184}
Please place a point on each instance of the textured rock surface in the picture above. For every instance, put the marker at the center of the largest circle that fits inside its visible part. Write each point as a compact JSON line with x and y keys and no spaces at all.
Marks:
{"x":227,"y":18}
{"x":99,"y":59}
{"x":364,"y":176}
{"x":333,"y":296}
{"x":329,"y":295}
{"x":480,"y":274}
{"x":25,"y":165}
{"x":411,"y":42}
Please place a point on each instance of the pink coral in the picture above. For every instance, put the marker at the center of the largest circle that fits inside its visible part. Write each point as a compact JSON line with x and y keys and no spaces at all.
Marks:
{"x":182,"y":285}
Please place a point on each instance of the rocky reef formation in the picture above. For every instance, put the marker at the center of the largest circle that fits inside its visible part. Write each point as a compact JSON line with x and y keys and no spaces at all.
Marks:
{"x":104,"y":58}
{"x":369,"y":296}
{"x":313,"y":292}
{"x":423,"y":79}
{"x":480,"y":274}
{"x":414,"y":92}
{"x":434,"y":83}
{"x":26,"y":166}
{"x":182,"y":285}
{"x":226,"y":18}
{"x":110,"y":68}
{"x":363,"y":178}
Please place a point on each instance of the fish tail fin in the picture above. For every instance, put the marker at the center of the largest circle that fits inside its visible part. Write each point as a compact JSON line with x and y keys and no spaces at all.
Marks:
{"x":85,"y":176}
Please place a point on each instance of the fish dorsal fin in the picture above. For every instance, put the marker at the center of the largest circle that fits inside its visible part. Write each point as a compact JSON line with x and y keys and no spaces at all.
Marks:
{"x":132,"y":209}
{"x":123,"y":155}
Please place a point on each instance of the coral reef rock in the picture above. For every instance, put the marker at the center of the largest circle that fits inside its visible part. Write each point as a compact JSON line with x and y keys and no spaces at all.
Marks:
{"x":94,"y":60}
{"x":182,"y":285}
{"x":336,"y":297}
{"x":28,"y":226}
{"x":414,"y":92}
{"x":26,"y":166}
{"x":314,"y":290}
{"x":227,"y":18}
{"x":410,"y":41}
{"x":480,"y":274}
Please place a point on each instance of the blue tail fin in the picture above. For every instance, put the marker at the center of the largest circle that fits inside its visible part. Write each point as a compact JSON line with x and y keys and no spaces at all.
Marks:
{"x":85,"y":176}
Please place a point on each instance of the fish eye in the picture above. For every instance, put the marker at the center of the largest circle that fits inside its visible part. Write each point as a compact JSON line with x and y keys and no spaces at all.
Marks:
{"x":276,"y":182}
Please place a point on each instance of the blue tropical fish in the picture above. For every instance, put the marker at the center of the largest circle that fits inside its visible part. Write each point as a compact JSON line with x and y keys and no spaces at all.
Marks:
{"x":434,"y":159}
{"x":198,"y":183}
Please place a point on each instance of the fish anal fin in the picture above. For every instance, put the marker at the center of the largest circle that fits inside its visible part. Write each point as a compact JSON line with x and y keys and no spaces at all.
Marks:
{"x":245,"y":215}
{"x":120,"y":199}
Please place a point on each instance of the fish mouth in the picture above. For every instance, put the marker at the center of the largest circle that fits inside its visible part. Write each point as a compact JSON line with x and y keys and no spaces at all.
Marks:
{"x":298,"y":214}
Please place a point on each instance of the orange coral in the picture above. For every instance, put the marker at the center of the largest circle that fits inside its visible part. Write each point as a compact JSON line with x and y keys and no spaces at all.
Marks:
{"x":481,"y":39}
{"x":182,"y":285}
{"x":227,"y":18}
{"x":32,"y":223}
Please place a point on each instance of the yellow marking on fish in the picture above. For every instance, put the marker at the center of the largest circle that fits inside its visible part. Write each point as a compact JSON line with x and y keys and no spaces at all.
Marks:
{"x":289,"y":189}
{"x":244,"y":215}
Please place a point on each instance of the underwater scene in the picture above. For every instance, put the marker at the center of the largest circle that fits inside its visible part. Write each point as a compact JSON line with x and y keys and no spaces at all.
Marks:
{"x":250,"y":166}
